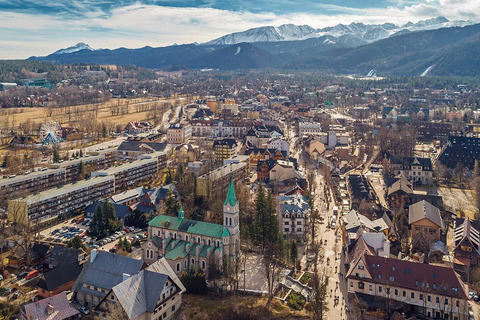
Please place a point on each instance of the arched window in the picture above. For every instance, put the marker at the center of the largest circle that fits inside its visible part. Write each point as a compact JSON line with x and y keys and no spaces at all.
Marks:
{"x":193,"y":262}
{"x":203,"y":264}
{"x":226,"y":221}
{"x":198,"y":239}
{"x":231,"y":222}
{"x":186,"y":237}
{"x":209,"y":242}
{"x":178,"y":267}
{"x":186,"y":264}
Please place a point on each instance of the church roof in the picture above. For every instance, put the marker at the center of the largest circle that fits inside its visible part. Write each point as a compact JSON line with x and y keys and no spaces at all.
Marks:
{"x":187,"y":225}
{"x":231,"y":198}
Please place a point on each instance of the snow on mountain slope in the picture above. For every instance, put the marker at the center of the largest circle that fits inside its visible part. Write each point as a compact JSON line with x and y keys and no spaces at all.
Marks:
{"x":79,"y":46}
{"x":358,"y":32}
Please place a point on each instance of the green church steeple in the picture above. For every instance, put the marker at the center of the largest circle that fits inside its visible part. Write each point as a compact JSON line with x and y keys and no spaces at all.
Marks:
{"x":231,"y":198}
{"x":180,"y":212}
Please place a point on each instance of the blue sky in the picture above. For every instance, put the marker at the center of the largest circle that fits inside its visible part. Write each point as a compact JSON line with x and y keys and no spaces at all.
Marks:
{"x":38,"y":27}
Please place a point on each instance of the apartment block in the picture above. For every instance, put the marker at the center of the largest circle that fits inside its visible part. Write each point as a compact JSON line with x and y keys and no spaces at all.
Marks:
{"x":71,"y":167}
{"x":60,"y":201}
{"x":179,"y":133}
{"x":18,"y":186}
{"x":129,"y":174}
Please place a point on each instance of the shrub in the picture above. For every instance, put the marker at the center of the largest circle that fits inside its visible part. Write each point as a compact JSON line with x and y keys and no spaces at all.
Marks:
{"x":295,"y":301}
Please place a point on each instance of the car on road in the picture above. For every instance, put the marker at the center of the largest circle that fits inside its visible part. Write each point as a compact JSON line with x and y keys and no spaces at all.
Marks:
{"x":32,"y":274}
{"x":16,"y":295}
{"x":22,"y":275}
{"x":84,"y":310}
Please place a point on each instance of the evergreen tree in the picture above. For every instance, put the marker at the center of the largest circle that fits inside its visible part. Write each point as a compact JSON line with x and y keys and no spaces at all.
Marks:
{"x":168,"y":177}
{"x":81,"y":153}
{"x":81,"y":170}
{"x":56,"y":155}
{"x":104,"y":130}
{"x":5,"y":161}
{"x":265,"y":225}
{"x":293,"y":253}
{"x":75,"y":243}
{"x":97,"y":225}
{"x":112,"y":223}
{"x":171,"y":204}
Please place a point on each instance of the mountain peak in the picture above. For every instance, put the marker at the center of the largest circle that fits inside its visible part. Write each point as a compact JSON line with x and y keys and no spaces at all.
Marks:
{"x":79,"y":46}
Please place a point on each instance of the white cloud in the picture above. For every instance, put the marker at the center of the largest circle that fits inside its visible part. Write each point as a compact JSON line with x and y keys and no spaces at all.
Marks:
{"x":140,"y":25}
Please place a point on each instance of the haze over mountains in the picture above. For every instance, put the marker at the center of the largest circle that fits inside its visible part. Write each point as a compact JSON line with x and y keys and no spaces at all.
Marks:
{"x":430,"y":47}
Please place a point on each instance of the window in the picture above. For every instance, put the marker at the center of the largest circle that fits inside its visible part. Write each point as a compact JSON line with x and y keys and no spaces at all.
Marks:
{"x":360,"y":267}
{"x":387,"y":290}
{"x":446,"y":301}
{"x":379,"y":276}
{"x":351,"y":285}
{"x":299,"y":223}
{"x":287,"y":223}
{"x":404,"y":293}
{"x":412,"y":295}
{"x":396,"y":292}
{"x":429,"y":298}
{"x":437,"y":299}
{"x":370,"y":287}
{"x":361,"y":285}
{"x":457,"y":303}
{"x":112,"y":297}
{"x":287,"y":229}
{"x":392,"y":279}
{"x":379,"y":289}
{"x":178,"y":267}
{"x":203,"y":264}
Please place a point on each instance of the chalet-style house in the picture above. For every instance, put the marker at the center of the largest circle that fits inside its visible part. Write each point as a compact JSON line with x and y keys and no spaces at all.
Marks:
{"x":419,"y":288}
{"x":466,"y":252}
{"x":157,"y":293}
{"x":293,"y":214}
{"x":460,"y":151}
{"x":56,"y":307}
{"x":103,"y":271}
{"x":186,"y":243}
{"x":58,"y":280}
{"x":224,"y":149}
{"x":426,"y":224}
{"x":418,"y":170}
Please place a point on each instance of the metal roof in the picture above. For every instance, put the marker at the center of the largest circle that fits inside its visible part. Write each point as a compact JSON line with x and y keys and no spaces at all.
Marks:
{"x":186,"y":225}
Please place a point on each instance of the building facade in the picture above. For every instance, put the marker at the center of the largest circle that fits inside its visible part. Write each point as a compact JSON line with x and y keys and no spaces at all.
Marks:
{"x":186,"y":243}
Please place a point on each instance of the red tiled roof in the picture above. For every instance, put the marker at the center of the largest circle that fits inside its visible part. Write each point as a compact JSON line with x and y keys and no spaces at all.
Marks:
{"x":414,"y":276}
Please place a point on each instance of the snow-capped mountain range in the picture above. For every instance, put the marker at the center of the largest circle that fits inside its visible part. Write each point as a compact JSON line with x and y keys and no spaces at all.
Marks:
{"x":79,"y":46}
{"x":356,"y":33}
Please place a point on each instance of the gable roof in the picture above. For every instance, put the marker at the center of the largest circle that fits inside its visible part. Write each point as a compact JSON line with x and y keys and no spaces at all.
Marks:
{"x":191,"y":226}
{"x":61,"y":256}
{"x":106,"y":271}
{"x":467,"y":233}
{"x":136,"y":145}
{"x":58,"y":305}
{"x":424,"y":209}
{"x":413,"y":275}
{"x":230,"y":143}
{"x":121,"y":210}
{"x":59,"y":276}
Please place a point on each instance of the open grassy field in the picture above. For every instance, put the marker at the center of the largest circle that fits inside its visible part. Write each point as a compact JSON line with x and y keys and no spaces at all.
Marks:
{"x":114,"y":111}
{"x":198,"y":307}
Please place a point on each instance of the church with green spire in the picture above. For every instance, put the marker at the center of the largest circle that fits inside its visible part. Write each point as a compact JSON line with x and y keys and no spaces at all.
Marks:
{"x":187,"y":243}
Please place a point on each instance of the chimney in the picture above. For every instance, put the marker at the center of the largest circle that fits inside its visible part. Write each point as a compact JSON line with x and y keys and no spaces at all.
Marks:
{"x":125,"y":276}
{"x":385,"y":259}
{"x":93,"y":255}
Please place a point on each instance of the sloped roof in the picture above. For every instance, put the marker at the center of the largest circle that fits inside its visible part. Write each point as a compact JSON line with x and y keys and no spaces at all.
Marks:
{"x":424,"y":209}
{"x":60,"y":276}
{"x":413,"y":275}
{"x":400,"y":185}
{"x":61,"y":308}
{"x":467,"y":233}
{"x":121,"y":210}
{"x":61,"y":256}
{"x":231,"y":198}
{"x":106,"y":270}
{"x":191,"y":226}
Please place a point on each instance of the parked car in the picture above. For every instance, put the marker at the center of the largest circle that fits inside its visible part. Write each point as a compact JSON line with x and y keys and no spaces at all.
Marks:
{"x":16,"y":295}
{"x":32,"y":274}
{"x":80,"y":220}
{"x":22,"y":275}
{"x":84,"y":310}
{"x":7,"y":291}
